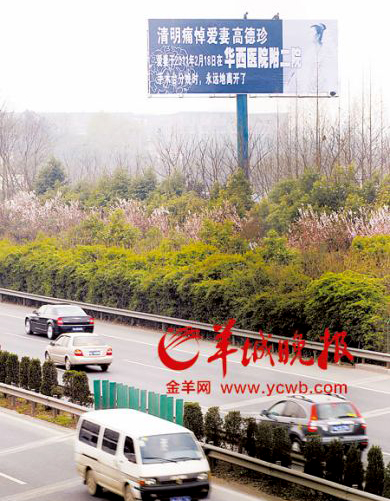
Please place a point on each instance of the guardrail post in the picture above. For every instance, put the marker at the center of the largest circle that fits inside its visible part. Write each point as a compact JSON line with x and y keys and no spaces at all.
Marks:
{"x":105,"y":393}
{"x":33,"y":408}
{"x":170,"y":409}
{"x":163,"y":406}
{"x":143,"y":400}
{"x":112,"y":395}
{"x":179,"y":411}
{"x":97,"y":394}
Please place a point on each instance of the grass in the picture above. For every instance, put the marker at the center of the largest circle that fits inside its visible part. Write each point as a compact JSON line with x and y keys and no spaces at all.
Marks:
{"x":41,"y":412}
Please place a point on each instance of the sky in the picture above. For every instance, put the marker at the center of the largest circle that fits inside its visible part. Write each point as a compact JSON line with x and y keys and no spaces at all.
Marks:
{"x":91,"y":55}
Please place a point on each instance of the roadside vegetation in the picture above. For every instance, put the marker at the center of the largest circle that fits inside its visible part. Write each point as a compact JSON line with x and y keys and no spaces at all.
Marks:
{"x":313,"y":254}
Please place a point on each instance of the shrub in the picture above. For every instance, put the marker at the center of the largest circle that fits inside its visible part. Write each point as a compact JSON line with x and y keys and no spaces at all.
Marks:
{"x":314,"y":455}
{"x":353,"y":471}
{"x":193,"y":419}
{"x":12,"y":369}
{"x":334,"y":461}
{"x":49,"y":378}
{"x":264,"y":441}
{"x":282,"y":446}
{"x":76,"y":387}
{"x":375,"y":473}
{"x":3,"y":363}
{"x":248,"y":440}
{"x":232,"y":425}
{"x":57,"y":391}
{"x":386,"y":485}
{"x":213,"y":426}
{"x":23,"y":372}
{"x":35,"y":375}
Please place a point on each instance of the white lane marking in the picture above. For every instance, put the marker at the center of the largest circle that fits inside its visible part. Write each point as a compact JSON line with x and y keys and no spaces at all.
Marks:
{"x":39,"y":492}
{"x":386,"y":453}
{"x":13,"y":479}
{"x":151,"y":366}
{"x":8,"y":315}
{"x":376,"y":412}
{"x":259,"y":400}
{"x":373,"y":379}
{"x":233,"y":493}
{"x":35,"y":444}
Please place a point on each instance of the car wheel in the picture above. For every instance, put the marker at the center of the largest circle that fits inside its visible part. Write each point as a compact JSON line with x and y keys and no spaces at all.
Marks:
{"x":27,"y":327}
{"x":68,"y":365}
{"x":296,"y":445}
{"x":128,"y":495}
{"x":93,"y":488}
{"x":50,"y":331}
{"x":47,"y":356}
{"x":104,"y":367}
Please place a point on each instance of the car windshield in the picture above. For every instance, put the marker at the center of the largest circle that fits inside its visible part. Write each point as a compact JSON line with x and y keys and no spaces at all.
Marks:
{"x":69,"y":311}
{"x":88,"y":341}
{"x":336,"y":410}
{"x":167,"y":448}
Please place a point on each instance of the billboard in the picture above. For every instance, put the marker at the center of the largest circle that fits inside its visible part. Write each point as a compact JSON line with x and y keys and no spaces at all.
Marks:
{"x":242,"y":56}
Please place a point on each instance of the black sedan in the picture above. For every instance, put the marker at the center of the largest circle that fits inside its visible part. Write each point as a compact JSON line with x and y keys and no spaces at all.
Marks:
{"x":53,"y":320}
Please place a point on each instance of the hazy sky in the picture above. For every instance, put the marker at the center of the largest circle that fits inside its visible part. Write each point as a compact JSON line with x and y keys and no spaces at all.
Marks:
{"x":90,"y":55}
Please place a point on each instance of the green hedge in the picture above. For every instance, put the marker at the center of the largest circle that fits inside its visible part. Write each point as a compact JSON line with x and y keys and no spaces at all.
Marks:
{"x":197,"y":282}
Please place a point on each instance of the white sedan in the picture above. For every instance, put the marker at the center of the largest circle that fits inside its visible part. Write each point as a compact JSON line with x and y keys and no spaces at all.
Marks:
{"x":79,"y":349}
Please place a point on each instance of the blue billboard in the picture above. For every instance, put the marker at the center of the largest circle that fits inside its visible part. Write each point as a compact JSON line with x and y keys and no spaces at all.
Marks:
{"x":242,"y":56}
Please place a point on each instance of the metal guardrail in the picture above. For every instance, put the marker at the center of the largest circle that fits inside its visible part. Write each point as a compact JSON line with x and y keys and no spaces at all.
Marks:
{"x":38,"y":398}
{"x":165,"y":321}
{"x":296,"y":477}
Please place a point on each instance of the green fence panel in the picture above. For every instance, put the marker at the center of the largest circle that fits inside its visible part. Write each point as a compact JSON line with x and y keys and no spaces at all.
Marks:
{"x":105,"y":393}
{"x":179,"y":411}
{"x":97,"y":393}
{"x":121,"y":396}
{"x":169,"y":409}
{"x":163,"y":406}
{"x":143,"y":400}
{"x":126,"y":396}
{"x":136,"y":399}
{"x":112,"y":395}
{"x":156,"y":405}
{"x":132,"y":397}
{"x":151,"y":403}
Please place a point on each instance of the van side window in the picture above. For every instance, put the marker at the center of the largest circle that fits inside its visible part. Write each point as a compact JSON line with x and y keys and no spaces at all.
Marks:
{"x":110,"y":441}
{"x":89,"y":433}
{"x":128,"y":450}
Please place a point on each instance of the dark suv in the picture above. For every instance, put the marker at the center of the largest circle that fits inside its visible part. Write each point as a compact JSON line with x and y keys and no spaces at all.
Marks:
{"x":327,"y":416}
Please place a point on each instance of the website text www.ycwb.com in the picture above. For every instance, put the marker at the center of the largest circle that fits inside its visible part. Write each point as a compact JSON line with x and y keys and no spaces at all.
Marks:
{"x":270,"y":389}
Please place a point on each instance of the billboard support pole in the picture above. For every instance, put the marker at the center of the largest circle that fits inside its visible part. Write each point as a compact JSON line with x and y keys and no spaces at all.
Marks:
{"x":242,"y":133}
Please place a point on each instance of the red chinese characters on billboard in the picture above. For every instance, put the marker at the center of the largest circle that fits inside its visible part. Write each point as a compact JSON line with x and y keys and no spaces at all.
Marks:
{"x":251,"y":351}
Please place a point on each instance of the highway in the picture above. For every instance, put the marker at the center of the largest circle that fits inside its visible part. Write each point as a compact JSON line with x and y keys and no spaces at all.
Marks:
{"x":136,"y":363}
{"x":36,"y":462}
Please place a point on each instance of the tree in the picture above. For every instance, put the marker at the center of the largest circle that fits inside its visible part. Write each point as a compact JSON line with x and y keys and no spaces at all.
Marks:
{"x":281,"y":446}
{"x":334,"y":461}
{"x":264,"y":441}
{"x":23,"y":372}
{"x":213,"y":426}
{"x":193,"y":419}
{"x":238,"y":192}
{"x":50,"y":176}
{"x":142,"y":186}
{"x":232,"y":425}
{"x":386,"y":485}
{"x":314,"y":455}
{"x":12,"y":369}
{"x":353,"y":470}
{"x":35,"y":375}
{"x":49,"y":378}
{"x":375,"y":473}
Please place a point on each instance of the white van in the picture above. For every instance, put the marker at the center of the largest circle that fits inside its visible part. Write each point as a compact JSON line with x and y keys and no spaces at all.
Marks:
{"x":139,"y":456}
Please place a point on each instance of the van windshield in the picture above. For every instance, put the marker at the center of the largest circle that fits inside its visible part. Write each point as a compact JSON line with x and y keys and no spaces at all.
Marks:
{"x":170,"y":447}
